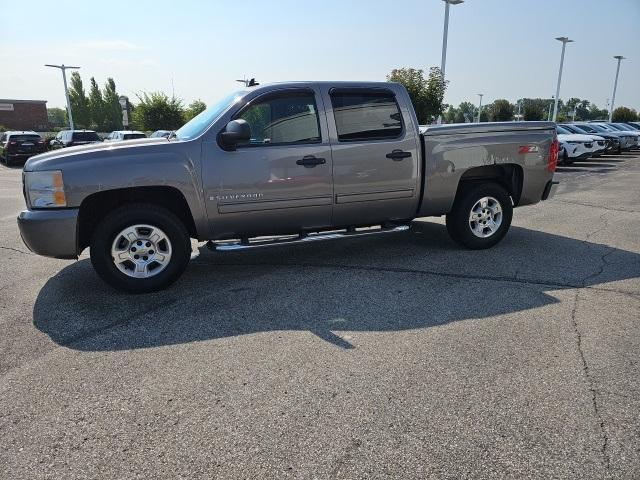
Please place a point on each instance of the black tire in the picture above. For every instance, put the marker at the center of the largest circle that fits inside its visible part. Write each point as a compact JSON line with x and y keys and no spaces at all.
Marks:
{"x":145,"y":214}
{"x":458,"y":224}
{"x":565,"y":159}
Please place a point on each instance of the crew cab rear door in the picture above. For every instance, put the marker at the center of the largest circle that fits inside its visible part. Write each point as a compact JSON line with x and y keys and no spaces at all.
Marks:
{"x":376,"y":155}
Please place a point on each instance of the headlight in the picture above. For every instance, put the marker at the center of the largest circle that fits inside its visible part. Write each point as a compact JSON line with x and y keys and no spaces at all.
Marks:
{"x":45,"y":189}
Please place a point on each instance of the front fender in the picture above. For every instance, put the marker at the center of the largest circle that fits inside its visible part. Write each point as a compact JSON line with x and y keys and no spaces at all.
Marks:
{"x":174,"y":164}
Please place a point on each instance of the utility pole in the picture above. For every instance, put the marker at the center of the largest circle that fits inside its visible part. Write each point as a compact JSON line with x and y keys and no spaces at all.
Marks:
{"x":64,"y":68}
{"x":480,"y":106}
{"x":445,"y":35}
{"x":564,"y":41}
{"x":615,"y":86}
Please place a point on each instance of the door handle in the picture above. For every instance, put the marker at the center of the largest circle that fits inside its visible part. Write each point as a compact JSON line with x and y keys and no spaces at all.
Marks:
{"x":398,"y":155}
{"x":310,"y":161}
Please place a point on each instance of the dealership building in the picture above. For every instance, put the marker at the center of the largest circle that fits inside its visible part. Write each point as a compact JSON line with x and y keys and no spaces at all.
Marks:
{"x":24,"y":114}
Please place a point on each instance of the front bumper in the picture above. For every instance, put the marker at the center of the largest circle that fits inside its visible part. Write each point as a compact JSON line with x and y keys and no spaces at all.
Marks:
{"x":549,"y":190}
{"x":52,"y":233}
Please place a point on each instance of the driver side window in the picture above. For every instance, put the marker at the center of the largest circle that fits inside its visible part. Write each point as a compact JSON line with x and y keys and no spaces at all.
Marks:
{"x":282,"y":118}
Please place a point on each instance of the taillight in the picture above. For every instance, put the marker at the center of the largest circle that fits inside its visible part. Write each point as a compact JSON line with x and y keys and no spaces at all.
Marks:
{"x":553,"y":155}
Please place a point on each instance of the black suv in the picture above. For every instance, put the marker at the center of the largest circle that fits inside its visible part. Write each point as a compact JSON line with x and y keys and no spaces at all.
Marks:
{"x":19,"y":146}
{"x":71,"y":138}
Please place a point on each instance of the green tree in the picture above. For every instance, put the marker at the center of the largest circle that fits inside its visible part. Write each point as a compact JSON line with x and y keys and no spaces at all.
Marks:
{"x":57,"y":117}
{"x":468,"y":112}
{"x":79,"y":102}
{"x":595,"y":113}
{"x":96,"y":106}
{"x":500,"y":110}
{"x":194,"y":108}
{"x":451,"y":114}
{"x":532,"y":111}
{"x":112,"y":109}
{"x":427,"y":94}
{"x":156,"y":111}
{"x":624,"y":114}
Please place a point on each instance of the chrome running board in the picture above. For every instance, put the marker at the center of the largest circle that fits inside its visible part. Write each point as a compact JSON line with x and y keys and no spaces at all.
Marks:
{"x":262,"y":242}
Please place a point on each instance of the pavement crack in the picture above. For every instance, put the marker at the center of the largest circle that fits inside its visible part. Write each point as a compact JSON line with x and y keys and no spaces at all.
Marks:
{"x":461,"y":276}
{"x":572,"y":202}
{"x":606,"y":460}
{"x":15,"y":250}
{"x":121,"y":322}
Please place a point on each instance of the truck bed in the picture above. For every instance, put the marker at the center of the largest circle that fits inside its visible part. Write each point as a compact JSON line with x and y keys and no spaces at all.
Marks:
{"x":455,"y":153}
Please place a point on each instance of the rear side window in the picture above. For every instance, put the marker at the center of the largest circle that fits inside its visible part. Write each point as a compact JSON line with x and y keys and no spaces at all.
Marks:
{"x":366,"y":115}
{"x":85,"y":136}
{"x":283,"y":118}
{"x":131,"y":136}
{"x":25,"y":138}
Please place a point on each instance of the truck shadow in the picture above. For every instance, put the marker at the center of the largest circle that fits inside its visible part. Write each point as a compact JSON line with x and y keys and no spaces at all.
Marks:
{"x":411,"y":280}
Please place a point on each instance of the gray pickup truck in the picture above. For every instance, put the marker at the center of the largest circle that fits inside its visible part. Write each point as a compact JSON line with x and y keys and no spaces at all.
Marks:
{"x":281,"y":164}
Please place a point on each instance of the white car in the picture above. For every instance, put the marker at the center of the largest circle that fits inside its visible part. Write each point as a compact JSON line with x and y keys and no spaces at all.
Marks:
{"x":120,"y":135}
{"x":574,"y":146}
{"x":599,"y":143}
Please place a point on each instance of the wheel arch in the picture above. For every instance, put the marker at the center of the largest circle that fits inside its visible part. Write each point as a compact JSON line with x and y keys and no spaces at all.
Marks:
{"x":510,"y":176}
{"x":97,"y":205}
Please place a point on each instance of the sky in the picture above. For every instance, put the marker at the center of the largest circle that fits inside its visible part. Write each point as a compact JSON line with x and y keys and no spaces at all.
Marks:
{"x":502,"y":48}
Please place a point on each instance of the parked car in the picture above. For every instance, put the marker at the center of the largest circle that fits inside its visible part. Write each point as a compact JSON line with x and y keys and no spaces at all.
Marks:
{"x":72,"y":138}
{"x":612,"y":142}
{"x":632,"y":140}
{"x":574,"y":146}
{"x":623,"y":127}
{"x":18,"y":146}
{"x":635,"y":125}
{"x":600,"y":143}
{"x":121,"y":135}
{"x":302,"y":161}
{"x":626,"y":141}
{"x":161,"y":134}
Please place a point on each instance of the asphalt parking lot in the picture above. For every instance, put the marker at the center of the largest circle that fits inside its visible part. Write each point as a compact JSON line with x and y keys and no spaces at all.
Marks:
{"x":397,"y":356}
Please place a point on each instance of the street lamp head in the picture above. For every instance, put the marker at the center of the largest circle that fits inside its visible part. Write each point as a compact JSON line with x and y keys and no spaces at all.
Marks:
{"x":619,"y":57}
{"x":564,"y":39}
{"x":453,"y":2}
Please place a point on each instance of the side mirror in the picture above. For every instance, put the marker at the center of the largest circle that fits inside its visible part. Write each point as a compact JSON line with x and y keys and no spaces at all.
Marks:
{"x":235,"y":132}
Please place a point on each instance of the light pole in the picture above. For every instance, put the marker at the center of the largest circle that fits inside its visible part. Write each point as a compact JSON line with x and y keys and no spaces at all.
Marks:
{"x":615,"y":86}
{"x":480,"y":106}
{"x":445,"y":34}
{"x":550,"y":105}
{"x":564,"y":41}
{"x":64,"y":67}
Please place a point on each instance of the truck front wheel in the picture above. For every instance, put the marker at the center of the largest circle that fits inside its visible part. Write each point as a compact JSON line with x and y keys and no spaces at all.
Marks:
{"x":481,"y":216}
{"x":140,"y":248}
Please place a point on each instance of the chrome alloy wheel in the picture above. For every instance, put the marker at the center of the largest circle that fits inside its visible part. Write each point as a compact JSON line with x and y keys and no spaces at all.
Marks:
{"x":141,"y":251}
{"x":485,"y":217}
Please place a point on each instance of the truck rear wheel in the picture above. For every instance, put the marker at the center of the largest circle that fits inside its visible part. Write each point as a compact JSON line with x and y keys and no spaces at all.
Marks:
{"x":140,"y":248}
{"x":481,"y":216}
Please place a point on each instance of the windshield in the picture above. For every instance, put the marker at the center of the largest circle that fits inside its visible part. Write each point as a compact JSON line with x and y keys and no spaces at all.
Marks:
{"x":596,"y":128}
{"x":201,"y":122}
{"x":561,"y":130}
{"x":131,"y":136}
{"x":25,"y":138}
{"x":619,"y":126}
{"x":86,"y":137}
{"x":579,"y":129}
{"x":571,"y":128}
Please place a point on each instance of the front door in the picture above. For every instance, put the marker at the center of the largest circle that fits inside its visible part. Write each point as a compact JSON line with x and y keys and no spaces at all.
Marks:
{"x":278,"y":182}
{"x":375,"y":155}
